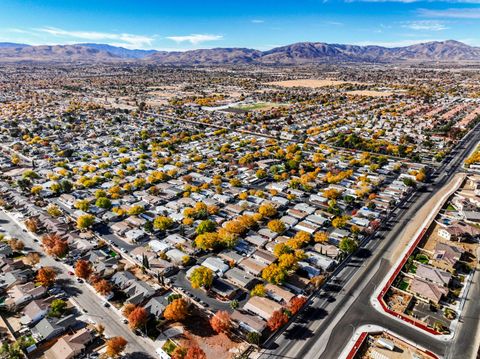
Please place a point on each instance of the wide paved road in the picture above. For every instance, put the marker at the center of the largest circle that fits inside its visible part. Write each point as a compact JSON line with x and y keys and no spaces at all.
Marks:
{"x":325,"y":327}
{"x":137,"y":346}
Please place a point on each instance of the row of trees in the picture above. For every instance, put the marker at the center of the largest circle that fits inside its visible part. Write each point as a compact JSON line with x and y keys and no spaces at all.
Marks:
{"x":84,"y":270}
{"x":280,"y":317}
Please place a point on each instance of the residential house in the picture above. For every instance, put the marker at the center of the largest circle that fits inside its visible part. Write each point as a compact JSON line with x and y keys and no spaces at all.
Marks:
{"x":21,"y":294}
{"x":322,"y":262}
{"x":426,"y":290}
{"x":446,"y":256}
{"x":70,"y":346}
{"x":262,"y":306}
{"x":216,"y":264}
{"x":223,"y":289}
{"x":50,"y":328}
{"x":248,"y":322}
{"x":35,"y":310}
{"x":278,"y":294}
{"x":459,"y":231}
{"x":240,"y":278}
{"x":433,"y":274}
{"x":252,"y":266}
{"x":156,"y":305}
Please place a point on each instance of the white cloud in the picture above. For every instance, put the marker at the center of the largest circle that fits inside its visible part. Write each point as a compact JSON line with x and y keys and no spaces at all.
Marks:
{"x":126,"y":40}
{"x":471,"y":13}
{"x":399,"y":43}
{"x":257,"y":21}
{"x":425,"y":25}
{"x":17,"y":31}
{"x":334,"y":23}
{"x":195,"y":39}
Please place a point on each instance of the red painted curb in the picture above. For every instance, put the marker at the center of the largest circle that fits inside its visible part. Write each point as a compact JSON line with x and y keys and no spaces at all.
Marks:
{"x":357,"y":345}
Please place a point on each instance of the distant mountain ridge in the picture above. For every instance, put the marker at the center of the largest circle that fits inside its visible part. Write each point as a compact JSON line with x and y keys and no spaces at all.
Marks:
{"x":120,"y":51}
{"x":294,"y":54}
{"x":4,"y":45}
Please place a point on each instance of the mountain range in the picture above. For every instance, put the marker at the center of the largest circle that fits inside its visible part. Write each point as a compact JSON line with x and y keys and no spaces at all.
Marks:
{"x":294,"y":54}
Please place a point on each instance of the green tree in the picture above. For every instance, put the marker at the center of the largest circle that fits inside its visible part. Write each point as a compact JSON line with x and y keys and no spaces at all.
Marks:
{"x":56,"y":187}
{"x":258,"y":290}
{"x":54,"y":210}
{"x":85,"y":221}
{"x":253,"y":338}
{"x":348,"y":245}
{"x":207,"y":241}
{"x":234,"y":304}
{"x":162,"y":223}
{"x":261,"y":173}
{"x":206,"y":226}
{"x":82,"y":205}
{"x":57,"y":308}
{"x":136,"y":210}
{"x":201,"y":277}
{"x":100,"y":193}
{"x":103,"y":202}
{"x":66,"y":186}
{"x":409,"y":182}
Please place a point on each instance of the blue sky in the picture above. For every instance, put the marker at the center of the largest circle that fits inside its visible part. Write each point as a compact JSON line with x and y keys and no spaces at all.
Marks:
{"x":260,"y":24}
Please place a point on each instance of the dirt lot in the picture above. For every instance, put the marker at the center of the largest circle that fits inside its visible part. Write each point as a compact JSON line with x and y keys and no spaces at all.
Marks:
{"x":370,"y":93}
{"x":311,"y":83}
{"x":399,"y":301}
{"x":403,"y":350}
{"x":197,"y":331}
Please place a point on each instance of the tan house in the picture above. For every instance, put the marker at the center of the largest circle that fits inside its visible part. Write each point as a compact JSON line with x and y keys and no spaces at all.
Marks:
{"x":70,"y":346}
{"x":428,"y":291}
{"x":262,"y":307}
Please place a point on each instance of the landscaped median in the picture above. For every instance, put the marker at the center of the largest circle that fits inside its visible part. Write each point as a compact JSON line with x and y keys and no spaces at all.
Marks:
{"x":404,"y":302}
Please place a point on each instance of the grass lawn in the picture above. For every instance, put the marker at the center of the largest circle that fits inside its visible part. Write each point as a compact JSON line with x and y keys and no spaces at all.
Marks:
{"x":169,"y":346}
{"x":413,"y":269}
{"x":422,"y":258}
{"x":256,"y":106}
{"x":403,"y":285}
{"x":451,"y":208}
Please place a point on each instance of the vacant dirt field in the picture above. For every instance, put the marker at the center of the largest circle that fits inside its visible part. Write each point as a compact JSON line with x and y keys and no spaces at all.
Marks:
{"x":311,"y":83}
{"x":198,"y":332}
{"x":370,"y":93}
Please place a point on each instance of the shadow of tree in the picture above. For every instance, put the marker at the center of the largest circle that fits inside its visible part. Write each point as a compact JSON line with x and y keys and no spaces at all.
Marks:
{"x":298,"y":332}
{"x":138,"y":355}
{"x":69,"y":286}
